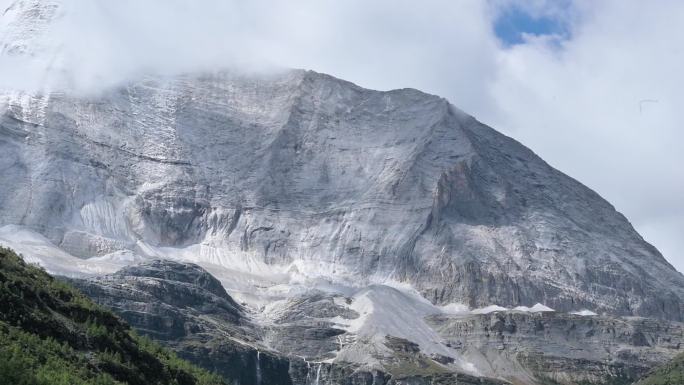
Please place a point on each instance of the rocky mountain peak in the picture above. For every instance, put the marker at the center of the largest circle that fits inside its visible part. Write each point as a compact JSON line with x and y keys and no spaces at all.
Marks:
{"x":298,"y":174}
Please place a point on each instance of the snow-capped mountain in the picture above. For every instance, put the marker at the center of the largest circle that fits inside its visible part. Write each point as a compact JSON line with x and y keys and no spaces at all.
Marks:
{"x":301,"y":176}
{"x":389,"y":210}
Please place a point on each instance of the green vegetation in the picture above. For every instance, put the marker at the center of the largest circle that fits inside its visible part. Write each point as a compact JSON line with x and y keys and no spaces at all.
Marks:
{"x":671,"y":373}
{"x":51,"y":334}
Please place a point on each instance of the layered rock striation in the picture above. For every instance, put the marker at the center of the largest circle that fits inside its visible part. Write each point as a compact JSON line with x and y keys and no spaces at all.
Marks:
{"x":301,"y":173}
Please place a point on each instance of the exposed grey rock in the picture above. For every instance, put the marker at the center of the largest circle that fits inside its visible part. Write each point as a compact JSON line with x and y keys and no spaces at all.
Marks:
{"x":181,"y":305}
{"x":272,"y":168}
{"x":203,"y":291}
{"x":561,"y":347}
{"x":168,"y":300}
{"x":186,"y":308}
{"x":347,"y":375}
{"x":302,"y":328}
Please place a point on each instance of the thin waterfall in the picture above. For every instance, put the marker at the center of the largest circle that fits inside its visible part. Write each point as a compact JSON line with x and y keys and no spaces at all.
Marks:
{"x":308,"y":371}
{"x":318,"y":373}
{"x":258,"y":368}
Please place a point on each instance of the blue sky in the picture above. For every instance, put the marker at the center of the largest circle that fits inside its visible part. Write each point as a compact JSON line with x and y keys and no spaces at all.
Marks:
{"x":514,"y":22}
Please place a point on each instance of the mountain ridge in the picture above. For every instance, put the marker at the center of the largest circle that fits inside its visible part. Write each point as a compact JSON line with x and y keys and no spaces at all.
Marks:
{"x":460,"y":185}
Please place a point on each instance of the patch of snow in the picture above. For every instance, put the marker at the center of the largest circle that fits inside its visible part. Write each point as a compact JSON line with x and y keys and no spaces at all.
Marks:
{"x":121,"y":257}
{"x":393,"y":310}
{"x":341,"y":301}
{"x":489,"y":309}
{"x":455,"y":309}
{"x":35,"y":248}
{"x":584,"y":313}
{"x":538,"y":308}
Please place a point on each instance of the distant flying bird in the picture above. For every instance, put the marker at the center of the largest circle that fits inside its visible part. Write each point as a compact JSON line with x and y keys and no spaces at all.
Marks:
{"x":642,"y":101}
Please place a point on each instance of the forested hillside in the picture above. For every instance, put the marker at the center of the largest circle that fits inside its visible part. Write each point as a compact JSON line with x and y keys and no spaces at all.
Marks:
{"x":52,"y":334}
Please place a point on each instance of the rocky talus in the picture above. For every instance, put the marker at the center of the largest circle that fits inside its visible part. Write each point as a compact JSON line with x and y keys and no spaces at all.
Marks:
{"x":183,"y":306}
{"x":186,"y":308}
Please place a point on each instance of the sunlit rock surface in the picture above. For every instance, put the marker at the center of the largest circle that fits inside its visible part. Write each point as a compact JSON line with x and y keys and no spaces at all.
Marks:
{"x":299,"y":174}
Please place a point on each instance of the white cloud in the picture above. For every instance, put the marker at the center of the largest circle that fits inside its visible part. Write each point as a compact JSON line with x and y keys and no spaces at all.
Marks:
{"x":581,"y":107}
{"x":577,"y":104}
